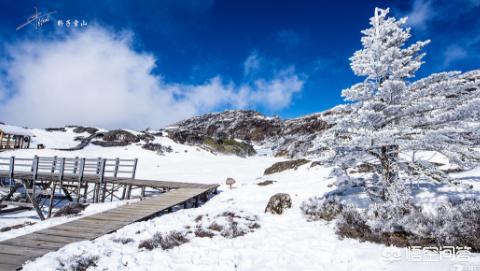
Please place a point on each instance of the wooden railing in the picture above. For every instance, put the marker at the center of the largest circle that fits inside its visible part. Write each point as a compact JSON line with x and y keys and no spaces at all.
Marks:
{"x":39,"y":177}
{"x":62,"y":166}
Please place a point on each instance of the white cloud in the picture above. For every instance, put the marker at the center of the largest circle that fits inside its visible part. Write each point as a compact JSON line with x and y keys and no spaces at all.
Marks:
{"x":420,"y":14}
{"x":453,"y":53}
{"x":251,"y":64}
{"x":424,"y":11}
{"x":96,"y":78}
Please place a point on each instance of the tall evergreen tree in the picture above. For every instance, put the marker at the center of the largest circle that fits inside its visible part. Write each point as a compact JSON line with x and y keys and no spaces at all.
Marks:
{"x":391,"y":119}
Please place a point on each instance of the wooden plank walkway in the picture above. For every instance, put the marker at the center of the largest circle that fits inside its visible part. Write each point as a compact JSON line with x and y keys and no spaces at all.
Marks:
{"x":15,"y":252}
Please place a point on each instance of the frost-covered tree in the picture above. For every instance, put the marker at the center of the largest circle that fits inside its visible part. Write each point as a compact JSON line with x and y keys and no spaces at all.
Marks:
{"x":391,"y":119}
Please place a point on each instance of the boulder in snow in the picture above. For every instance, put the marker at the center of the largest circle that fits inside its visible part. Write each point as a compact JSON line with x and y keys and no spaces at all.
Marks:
{"x":278,"y":203}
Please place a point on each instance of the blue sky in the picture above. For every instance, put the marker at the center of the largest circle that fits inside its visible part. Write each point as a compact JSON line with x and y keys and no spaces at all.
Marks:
{"x":242,"y":44}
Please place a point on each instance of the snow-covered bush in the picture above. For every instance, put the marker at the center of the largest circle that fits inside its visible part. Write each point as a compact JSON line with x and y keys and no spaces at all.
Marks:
{"x":228,"y":224}
{"x":70,"y":209}
{"x":78,"y":262}
{"x":123,"y":240}
{"x":453,"y":224}
{"x":326,"y":208}
{"x":164,"y":240}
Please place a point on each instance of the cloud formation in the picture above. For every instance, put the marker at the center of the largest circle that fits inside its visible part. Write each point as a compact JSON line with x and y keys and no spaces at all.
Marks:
{"x":251,"y":64}
{"x":453,"y":53}
{"x":424,"y":11}
{"x":96,"y":78}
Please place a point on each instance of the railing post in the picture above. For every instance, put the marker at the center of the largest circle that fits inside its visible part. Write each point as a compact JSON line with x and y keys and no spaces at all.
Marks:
{"x":11,"y":167}
{"x":102,"y":181}
{"x":34,"y":175}
{"x":80,"y":179}
{"x":99,"y":165}
{"x":117,"y":165}
{"x":62,"y":168}
{"x":35,"y":167}
{"x":54,"y":164}
{"x":135,"y":162}
{"x":11,"y":171}
{"x":75,"y":165}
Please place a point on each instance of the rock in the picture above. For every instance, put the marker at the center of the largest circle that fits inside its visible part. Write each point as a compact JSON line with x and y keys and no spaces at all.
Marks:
{"x":278,"y":203}
{"x":120,"y":136}
{"x":288,"y":138}
{"x":265,"y":183}
{"x":147,"y":137}
{"x":229,"y":146}
{"x":81,"y":129}
{"x":282,"y":166}
{"x":115,"y":138}
{"x":245,"y":125}
{"x":110,"y":143}
{"x":56,"y":129}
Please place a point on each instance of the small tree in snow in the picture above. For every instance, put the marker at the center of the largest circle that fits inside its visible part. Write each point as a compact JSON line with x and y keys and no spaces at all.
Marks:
{"x":391,"y":119}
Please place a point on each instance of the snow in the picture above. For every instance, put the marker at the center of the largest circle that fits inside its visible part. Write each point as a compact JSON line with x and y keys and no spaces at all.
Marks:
{"x":286,"y":242}
{"x":15,"y":130}
{"x":56,"y":139}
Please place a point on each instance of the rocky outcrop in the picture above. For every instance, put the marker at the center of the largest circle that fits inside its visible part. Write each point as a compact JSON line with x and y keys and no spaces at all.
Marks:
{"x":285,"y":165}
{"x":244,"y":125}
{"x":293,"y":137}
{"x":278,"y":203}
{"x":229,"y":146}
{"x":115,"y":138}
{"x":81,"y":129}
{"x":56,"y":129}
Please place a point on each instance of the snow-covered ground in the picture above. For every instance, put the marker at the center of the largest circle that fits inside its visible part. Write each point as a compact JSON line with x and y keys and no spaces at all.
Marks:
{"x":283,"y":242}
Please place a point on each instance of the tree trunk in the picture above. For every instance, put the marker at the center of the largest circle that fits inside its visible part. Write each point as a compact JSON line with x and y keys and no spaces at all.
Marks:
{"x":388,"y":157}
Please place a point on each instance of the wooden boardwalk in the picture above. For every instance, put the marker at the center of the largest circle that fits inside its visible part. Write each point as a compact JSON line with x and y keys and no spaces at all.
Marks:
{"x":15,"y":252}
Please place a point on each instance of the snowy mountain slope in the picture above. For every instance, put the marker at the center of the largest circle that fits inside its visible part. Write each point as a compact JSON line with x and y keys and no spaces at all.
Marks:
{"x":284,"y":242}
{"x":281,"y":242}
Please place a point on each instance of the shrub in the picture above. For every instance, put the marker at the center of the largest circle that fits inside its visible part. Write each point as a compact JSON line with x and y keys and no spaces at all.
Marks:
{"x":78,"y":262}
{"x":70,"y":209}
{"x":17,"y":226}
{"x":454,"y":224}
{"x":157,"y":147}
{"x":200,"y":232}
{"x":164,"y":241}
{"x":326,"y":208}
{"x":123,"y":240}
